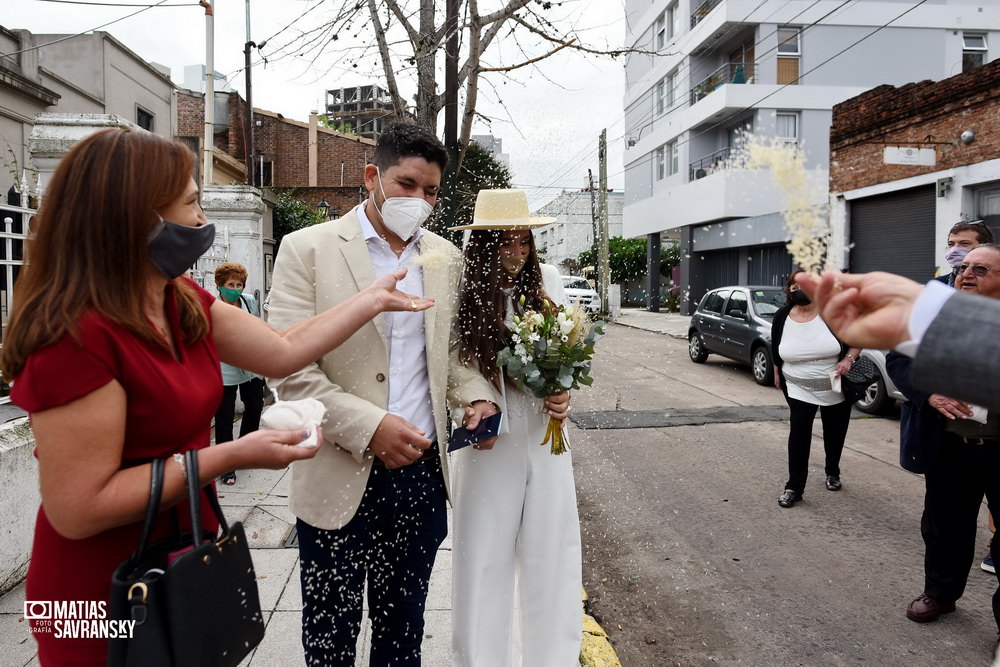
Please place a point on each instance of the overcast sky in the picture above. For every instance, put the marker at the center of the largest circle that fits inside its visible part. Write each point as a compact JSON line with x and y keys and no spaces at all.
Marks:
{"x":550,"y":127}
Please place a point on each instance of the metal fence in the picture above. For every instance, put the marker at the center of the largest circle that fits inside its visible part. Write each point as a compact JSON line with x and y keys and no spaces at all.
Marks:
{"x":16,"y":221}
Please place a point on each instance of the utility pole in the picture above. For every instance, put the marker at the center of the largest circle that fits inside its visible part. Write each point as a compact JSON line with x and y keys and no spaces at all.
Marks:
{"x":248,"y":134}
{"x":593,"y":208}
{"x":602,"y":212}
{"x":209,"y":138}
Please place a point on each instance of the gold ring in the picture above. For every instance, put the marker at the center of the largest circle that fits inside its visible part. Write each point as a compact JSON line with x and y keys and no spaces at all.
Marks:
{"x":413,"y":305}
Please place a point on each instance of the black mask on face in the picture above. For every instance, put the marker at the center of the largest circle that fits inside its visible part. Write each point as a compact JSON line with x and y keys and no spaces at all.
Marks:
{"x":174,"y":248}
{"x":799,"y":298}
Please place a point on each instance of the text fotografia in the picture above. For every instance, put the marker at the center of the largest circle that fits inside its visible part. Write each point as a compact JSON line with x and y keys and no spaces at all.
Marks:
{"x":76,"y":619}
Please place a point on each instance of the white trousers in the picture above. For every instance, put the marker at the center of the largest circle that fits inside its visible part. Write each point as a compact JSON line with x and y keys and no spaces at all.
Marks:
{"x":516,"y":549}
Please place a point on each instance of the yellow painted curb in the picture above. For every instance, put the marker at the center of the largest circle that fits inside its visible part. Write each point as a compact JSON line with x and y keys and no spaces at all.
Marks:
{"x":596,"y":650}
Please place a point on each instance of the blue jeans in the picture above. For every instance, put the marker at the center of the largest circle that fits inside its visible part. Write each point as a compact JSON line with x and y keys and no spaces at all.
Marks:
{"x":393,"y":540}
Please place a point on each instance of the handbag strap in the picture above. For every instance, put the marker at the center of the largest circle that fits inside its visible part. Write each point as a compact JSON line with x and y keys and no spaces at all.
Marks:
{"x":194,"y":498}
{"x":152,"y":506}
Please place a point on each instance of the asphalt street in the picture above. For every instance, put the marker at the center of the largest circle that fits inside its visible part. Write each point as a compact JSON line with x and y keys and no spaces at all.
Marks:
{"x":689,"y":560}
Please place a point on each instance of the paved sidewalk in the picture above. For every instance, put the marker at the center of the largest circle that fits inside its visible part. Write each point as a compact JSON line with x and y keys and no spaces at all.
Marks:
{"x":669,"y":324}
{"x":260,"y":500}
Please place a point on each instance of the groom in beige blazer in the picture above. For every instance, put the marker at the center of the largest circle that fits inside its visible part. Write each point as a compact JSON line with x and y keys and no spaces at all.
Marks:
{"x":372,"y":502}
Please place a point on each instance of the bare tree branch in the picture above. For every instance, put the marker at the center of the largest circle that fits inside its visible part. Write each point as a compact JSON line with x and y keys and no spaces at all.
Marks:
{"x":528,"y":62}
{"x":383,"y":48}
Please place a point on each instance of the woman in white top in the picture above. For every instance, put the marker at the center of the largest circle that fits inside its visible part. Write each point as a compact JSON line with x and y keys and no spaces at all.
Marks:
{"x":516,"y":528}
{"x":807,"y":359}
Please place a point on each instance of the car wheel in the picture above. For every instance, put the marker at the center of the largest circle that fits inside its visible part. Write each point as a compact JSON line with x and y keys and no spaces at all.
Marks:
{"x":760,"y":364}
{"x":696,"y":348}
{"x":875,"y":399}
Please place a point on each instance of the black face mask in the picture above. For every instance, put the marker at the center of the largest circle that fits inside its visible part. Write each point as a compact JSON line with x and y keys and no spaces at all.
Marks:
{"x":799,"y":298}
{"x":174,"y":248}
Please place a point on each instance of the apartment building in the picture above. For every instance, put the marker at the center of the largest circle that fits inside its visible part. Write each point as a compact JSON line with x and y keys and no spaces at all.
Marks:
{"x":716,"y":69}
{"x":573,"y":231}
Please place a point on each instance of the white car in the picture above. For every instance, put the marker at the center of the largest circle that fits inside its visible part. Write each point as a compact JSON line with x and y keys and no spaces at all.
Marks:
{"x":579,"y":289}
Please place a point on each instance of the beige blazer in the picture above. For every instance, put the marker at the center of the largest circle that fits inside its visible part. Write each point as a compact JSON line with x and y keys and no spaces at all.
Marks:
{"x":317,"y":268}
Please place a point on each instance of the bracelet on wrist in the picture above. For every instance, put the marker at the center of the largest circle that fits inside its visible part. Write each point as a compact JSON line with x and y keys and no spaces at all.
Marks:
{"x":179,"y":460}
{"x":851,"y":357}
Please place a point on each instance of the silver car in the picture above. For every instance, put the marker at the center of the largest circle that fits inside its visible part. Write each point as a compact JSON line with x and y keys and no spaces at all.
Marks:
{"x":579,"y":289}
{"x":882,"y":394}
{"x":735,"y":322}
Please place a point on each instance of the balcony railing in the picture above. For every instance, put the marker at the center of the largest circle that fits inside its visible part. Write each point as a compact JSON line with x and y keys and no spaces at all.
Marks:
{"x":708,"y":164}
{"x":728,"y":73}
{"x":702,"y":11}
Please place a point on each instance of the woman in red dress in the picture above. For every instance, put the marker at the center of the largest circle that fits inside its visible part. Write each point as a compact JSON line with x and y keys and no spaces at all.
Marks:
{"x":115,"y":357}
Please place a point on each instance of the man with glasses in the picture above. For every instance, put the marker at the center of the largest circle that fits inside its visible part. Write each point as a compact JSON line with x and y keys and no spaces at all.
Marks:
{"x":963,"y":237}
{"x":962,"y":470}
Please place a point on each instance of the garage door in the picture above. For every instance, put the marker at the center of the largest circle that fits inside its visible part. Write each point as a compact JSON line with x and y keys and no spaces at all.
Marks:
{"x":895,"y":232}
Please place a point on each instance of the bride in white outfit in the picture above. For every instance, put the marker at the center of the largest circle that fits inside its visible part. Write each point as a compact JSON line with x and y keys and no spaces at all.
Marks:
{"x":516,"y":528}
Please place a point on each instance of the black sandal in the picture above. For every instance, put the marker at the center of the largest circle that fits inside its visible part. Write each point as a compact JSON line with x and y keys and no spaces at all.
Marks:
{"x":789,"y":498}
{"x":228,"y":479}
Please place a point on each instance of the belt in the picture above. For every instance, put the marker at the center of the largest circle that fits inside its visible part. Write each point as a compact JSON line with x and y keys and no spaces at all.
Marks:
{"x":430,"y":454}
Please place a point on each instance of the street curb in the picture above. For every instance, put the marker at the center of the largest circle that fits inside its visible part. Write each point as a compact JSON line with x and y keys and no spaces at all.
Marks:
{"x":596,"y":649}
{"x":656,"y":331}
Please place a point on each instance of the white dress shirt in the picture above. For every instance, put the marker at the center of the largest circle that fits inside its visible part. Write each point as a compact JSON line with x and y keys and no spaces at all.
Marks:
{"x":409,"y":384}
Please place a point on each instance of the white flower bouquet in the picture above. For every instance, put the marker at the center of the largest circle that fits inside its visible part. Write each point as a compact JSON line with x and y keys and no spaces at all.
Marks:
{"x":549,"y":353}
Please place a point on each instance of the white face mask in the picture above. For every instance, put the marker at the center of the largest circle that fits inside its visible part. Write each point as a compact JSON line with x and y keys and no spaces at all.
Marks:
{"x":402,"y":215}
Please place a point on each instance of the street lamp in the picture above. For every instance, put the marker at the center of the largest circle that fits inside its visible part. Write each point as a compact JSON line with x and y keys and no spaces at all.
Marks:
{"x":323,"y":208}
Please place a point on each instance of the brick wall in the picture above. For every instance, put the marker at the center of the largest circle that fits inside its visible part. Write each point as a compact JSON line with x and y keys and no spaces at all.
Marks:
{"x":927,"y":114}
{"x":285,"y":143}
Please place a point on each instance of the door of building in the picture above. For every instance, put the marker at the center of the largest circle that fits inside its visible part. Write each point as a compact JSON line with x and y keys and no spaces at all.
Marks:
{"x":895,"y":232}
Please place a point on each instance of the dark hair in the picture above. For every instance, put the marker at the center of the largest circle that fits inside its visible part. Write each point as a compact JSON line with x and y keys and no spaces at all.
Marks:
{"x":482,"y":305}
{"x":983,"y":232}
{"x":788,"y":284}
{"x":408,"y":139}
{"x":88,"y":243}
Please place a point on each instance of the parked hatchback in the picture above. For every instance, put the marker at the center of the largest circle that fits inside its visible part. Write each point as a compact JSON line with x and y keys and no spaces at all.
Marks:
{"x":735,"y":322}
{"x":579,"y":289}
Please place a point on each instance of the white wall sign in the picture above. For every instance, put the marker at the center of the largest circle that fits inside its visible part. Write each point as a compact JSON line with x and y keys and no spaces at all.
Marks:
{"x":916,"y":156}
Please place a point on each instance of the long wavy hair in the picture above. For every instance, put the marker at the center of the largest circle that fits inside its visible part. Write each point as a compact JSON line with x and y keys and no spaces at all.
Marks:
{"x":88,"y":244}
{"x":482,"y":305}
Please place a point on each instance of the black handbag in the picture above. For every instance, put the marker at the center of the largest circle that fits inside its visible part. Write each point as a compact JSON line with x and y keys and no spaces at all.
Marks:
{"x":855,"y":382}
{"x":193,"y":596}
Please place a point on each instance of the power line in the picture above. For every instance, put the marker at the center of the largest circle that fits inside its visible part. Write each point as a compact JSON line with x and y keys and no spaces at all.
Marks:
{"x":753,"y":105}
{"x":118,"y":4}
{"x":66,"y":37}
{"x":644,"y":121}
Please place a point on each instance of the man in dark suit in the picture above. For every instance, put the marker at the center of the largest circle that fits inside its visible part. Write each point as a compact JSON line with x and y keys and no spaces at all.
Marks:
{"x":960,"y":461}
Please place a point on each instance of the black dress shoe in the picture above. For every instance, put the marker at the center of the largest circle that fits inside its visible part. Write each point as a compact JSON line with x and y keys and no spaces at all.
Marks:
{"x":833,"y":483}
{"x":925,"y":609}
{"x":789,"y":498}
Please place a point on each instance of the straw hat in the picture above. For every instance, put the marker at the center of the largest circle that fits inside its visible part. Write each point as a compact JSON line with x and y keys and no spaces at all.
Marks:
{"x":503,"y":210}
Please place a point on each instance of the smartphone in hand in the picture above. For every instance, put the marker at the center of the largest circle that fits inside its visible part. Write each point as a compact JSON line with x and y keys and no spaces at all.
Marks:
{"x":489,"y":427}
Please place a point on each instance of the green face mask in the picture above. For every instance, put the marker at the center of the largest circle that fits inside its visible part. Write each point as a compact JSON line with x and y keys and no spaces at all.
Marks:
{"x":229,"y":294}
